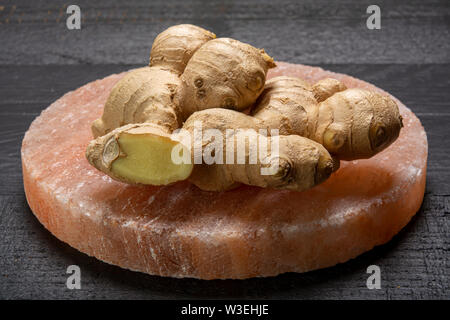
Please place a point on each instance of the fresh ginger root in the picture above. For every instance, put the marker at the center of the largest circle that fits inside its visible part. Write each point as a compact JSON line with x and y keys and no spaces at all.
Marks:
{"x":223,"y":73}
{"x":174,"y":47}
{"x":189,"y":71}
{"x":146,"y":95}
{"x":298,"y":164}
{"x":194,"y":77}
{"x":141,"y":153}
{"x":350,"y":123}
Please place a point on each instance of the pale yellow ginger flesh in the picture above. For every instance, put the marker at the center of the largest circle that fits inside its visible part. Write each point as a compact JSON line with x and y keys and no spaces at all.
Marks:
{"x":148,"y":160}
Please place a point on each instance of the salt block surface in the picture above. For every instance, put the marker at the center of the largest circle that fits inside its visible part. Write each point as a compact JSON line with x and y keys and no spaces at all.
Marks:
{"x":181,"y":231}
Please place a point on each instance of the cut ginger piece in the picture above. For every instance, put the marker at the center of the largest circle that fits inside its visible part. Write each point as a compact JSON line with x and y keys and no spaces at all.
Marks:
{"x":148,"y":160}
{"x":179,"y":230}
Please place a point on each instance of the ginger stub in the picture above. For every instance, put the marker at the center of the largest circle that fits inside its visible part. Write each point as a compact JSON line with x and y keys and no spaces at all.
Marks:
{"x":195,"y":77}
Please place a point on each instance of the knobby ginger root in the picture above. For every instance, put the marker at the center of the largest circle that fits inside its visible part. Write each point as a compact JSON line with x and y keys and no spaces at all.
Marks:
{"x":142,"y":95}
{"x":194,"y":77}
{"x":174,"y":47}
{"x":159,"y":95}
{"x":349,"y":123}
{"x":141,"y":153}
{"x":146,"y":94}
{"x":223,"y":73}
{"x":298,"y":163}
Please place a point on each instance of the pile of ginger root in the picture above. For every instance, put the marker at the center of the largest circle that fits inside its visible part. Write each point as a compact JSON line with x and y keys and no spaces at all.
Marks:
{"x":194,"y":77}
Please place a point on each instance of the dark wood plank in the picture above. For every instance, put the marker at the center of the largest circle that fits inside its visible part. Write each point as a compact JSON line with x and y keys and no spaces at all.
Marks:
{"x":309,"y":31}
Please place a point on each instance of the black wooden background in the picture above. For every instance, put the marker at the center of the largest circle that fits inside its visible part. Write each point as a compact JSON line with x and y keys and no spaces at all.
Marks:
{"x":40,"y":59}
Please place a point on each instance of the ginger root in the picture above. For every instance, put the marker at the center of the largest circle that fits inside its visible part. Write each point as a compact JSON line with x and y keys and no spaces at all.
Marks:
{"x":349,"y":123}
{"x":298,"y":164}
{"x":223,"y":73}
{"x":141,"y":153}
{"x":174,"y":47}
{"x":144,"y":95}
{"x":158,"y":97}
{"x":193,"y":78}
{"x":234,"y":77}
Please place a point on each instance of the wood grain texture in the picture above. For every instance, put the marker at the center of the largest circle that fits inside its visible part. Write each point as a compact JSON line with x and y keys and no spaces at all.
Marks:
{"x":414,"y":264}
{"x":311,"y":31}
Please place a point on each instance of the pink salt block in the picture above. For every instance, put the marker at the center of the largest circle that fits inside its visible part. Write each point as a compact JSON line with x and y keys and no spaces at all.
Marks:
{"x":181,"y":231}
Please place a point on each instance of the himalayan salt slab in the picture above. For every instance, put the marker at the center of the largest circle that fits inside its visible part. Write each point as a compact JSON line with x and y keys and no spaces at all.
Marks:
{"x":181,"y":231}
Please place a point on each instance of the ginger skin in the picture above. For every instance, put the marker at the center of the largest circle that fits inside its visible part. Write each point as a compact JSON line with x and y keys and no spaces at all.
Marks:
{"x":223,"y":73}
{"x":143,"y":95}
{"x":350,"y":123}
{"x":160,"y":93}
{"x":174,"y":47}
{"x":302,"y":163}
{"x":137,"y":153}
{"x":194,"y":77}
